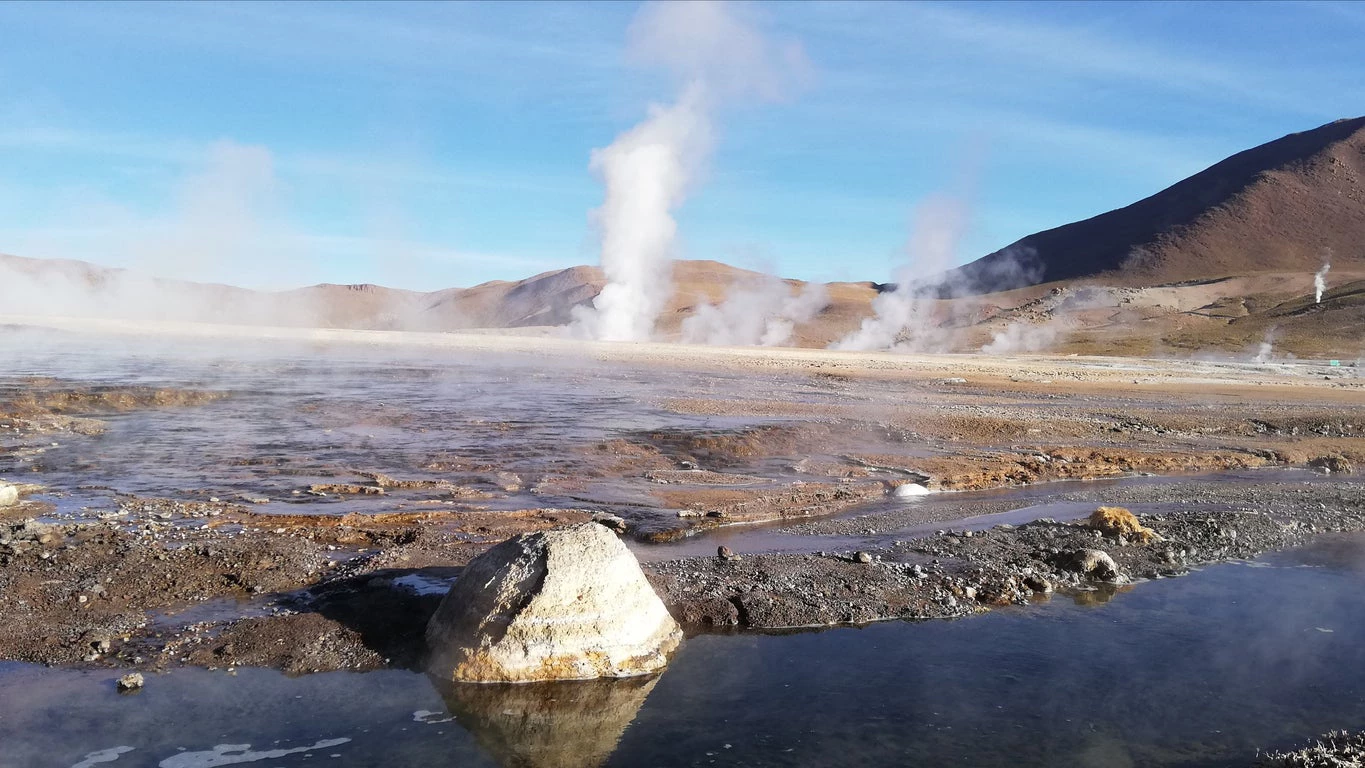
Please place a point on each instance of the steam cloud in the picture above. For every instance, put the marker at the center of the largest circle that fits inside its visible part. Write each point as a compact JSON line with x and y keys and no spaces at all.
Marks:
{"x":1056,"y":315}
{"x":1022,"y":337}
{"x":717,"y":56}
{"x":1320,"y":282}
{"x":1265,"y":350}
{"x":225,"y":227}
{"x":220,"y":227}
{"x":914,"y":316}
{"x":764,"y":313}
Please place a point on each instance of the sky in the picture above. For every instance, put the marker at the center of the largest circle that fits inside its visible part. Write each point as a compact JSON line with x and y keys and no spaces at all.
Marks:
{"x":433,"y":145}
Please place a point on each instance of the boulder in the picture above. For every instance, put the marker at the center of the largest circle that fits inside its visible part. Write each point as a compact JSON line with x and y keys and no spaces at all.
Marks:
{"x":1094,"y":563}
{"x":9,"y":494}
{"x":1337,"y":464}
{"x":567,"y":604}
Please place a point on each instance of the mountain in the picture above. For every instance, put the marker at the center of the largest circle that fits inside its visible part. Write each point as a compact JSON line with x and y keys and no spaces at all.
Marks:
{"x":1286,"y":205}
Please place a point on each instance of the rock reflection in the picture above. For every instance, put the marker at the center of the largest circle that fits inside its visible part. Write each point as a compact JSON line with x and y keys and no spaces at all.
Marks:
{"x":538,"y":725}
{"x":1101,"y":594}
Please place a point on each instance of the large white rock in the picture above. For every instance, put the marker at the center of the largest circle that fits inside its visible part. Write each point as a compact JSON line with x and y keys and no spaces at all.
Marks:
{"x":568,"y":604}
{"x":9,"y":494}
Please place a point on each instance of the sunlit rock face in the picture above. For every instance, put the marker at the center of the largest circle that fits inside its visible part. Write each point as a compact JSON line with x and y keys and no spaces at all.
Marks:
{"x":549,"y":725}
{"x":569,"y":604}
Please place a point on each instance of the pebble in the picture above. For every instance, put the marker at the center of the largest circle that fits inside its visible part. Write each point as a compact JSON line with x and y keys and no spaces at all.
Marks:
{"x":131,"y":682}
{"x":862,"y":557}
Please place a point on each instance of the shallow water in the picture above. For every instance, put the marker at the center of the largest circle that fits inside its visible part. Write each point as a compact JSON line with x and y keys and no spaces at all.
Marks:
{"x":1195,"y":671}
{"x":295,"y":416}
{"x":514,"y":431}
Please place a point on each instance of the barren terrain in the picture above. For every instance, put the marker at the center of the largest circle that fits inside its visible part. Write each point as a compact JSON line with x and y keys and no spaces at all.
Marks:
{"x":219,"y":540}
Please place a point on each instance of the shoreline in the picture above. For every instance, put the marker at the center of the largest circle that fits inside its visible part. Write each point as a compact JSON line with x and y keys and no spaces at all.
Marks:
{"x":370,"y":611}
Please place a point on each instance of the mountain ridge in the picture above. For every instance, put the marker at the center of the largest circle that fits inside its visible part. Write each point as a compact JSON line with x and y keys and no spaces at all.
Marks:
{"x":1285,"y":205}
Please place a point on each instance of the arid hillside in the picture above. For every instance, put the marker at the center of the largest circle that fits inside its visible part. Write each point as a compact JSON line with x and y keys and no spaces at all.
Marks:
{"x":50,"y":286}
{"x":1285,"y":206}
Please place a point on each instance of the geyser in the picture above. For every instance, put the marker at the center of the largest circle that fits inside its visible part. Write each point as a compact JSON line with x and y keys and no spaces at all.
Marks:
{"x":717,"y":56}
{"x":1320,"y":282}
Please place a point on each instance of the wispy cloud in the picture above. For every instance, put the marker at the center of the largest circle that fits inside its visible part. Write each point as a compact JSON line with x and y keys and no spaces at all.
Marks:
{"x":320,"y":166}
{"x":1018,"y":47}
{"x":450,"y":51}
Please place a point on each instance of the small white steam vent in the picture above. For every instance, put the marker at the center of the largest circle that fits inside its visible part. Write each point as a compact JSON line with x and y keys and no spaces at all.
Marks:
{"x":568,"y":604}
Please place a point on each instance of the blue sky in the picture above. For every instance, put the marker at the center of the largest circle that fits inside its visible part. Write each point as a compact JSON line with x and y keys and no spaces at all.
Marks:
{"x":432,"y":145}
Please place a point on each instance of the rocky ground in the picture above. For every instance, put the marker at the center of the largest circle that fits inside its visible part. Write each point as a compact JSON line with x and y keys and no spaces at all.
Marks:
{"x":153,"y":584}
{"x":960,"y":572}
{"x":212,"y":585}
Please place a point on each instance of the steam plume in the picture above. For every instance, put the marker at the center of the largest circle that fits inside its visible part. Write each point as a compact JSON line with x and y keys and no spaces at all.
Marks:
{"x":646,"y":172}
{"x":913,"y":316}
{"x":1049,"y":319}
{"x":764,"y":313}
{"x":716,"y":56}
{"x":901,"y":316}
{"x":1022,"y":337}
{"x":1320,"y":282}
{"x":1265,"y":350}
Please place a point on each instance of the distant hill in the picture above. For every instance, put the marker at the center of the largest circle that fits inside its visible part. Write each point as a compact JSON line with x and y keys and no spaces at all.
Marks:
{"x":60,"y":287}
{"x":1281,"y":206}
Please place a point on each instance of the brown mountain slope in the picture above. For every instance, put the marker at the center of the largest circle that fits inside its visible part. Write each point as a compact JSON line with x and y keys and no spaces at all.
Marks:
{"x":1282,"y":206}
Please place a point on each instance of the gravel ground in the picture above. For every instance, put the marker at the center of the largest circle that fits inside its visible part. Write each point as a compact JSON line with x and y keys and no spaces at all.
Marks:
{"x":959,"y":572}
{"x":153,"y":592}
